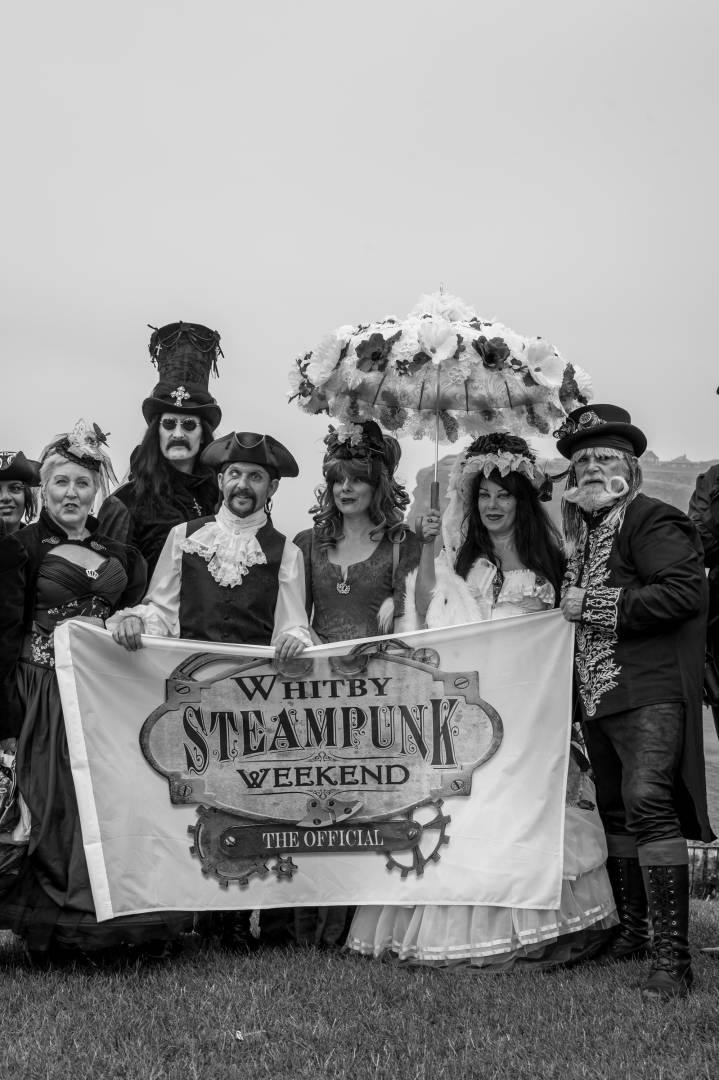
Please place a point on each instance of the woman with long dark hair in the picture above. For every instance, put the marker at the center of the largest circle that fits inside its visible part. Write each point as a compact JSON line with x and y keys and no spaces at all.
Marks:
{"x":502,"y":556}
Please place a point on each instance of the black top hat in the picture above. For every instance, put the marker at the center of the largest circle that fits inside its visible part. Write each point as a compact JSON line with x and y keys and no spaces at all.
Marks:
{"x":15,"y":466}
{"x":184,"y":354}
{"x":251,"y":448}
{"x":600,"y":425}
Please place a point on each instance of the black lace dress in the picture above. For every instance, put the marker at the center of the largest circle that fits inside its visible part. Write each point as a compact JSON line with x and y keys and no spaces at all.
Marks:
{"x":51,"y":904}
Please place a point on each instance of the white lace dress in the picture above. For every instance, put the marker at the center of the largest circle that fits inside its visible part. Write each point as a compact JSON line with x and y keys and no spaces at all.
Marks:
{"x":501,"y":937}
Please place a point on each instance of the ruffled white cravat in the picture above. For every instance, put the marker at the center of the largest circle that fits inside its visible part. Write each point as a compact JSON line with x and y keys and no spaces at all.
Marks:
{"x":228,"y":545}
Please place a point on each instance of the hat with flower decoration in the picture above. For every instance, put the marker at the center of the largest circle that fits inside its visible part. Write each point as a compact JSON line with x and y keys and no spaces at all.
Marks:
{"x":362,"y":442}
{"x":84,"y":446}
{"x":497,"y":453}
{"x":184,"y":354}
{"x":600,"y":425}
{"x":15,"y":466}
{"x":249,"y":447}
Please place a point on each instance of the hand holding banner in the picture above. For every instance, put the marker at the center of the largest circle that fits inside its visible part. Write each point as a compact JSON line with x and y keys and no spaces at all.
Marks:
{"x":212,"y":776}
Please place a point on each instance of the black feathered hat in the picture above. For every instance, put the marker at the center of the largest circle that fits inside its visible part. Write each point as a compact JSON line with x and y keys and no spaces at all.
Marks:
{"x":251,"y":448}
{"x":600,"y":425}
{"x":15,"y":466}
{"x":184,"y":354}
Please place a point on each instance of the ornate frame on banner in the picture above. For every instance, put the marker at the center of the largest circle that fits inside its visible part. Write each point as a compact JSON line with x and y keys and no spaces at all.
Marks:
{"x":320,"y":754}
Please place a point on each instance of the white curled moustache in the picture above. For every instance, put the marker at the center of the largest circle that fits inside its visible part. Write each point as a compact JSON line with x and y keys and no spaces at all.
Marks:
{"x":589,"y":499}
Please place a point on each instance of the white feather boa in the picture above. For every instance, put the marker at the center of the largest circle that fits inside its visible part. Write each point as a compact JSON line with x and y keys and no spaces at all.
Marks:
{"x":452,"y":602}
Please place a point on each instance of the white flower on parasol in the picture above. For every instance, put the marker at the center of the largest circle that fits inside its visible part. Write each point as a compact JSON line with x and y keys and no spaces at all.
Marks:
{"x":327,"y":354}
{"x":437,"y":337}
{"x":545,"y":364}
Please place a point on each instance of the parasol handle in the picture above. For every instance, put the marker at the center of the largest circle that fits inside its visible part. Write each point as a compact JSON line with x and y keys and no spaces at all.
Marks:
{"x":433,"y":505}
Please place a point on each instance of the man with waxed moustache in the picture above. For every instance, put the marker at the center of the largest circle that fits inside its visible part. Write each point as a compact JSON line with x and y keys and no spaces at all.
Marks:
{"x":230,"y":577}
{"x":636,"y":591}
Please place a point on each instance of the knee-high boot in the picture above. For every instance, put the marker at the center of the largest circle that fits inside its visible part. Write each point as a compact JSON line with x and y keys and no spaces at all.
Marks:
{"x":668,"y":893}
{"x":632,"y":939}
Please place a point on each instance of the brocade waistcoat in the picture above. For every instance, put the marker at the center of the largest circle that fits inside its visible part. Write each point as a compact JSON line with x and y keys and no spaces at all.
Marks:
{"x":244,"y":613}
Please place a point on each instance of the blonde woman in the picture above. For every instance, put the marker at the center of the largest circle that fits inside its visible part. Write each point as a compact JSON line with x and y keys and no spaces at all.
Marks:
{"x":70,"y":571}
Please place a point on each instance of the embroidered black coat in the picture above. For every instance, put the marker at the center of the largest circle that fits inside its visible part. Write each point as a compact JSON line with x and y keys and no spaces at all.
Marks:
{"x":21,"y":555}
{"x":641,"y":637}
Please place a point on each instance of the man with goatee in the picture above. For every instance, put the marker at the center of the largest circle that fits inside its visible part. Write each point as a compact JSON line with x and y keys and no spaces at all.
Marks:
{"x":230,"y":576}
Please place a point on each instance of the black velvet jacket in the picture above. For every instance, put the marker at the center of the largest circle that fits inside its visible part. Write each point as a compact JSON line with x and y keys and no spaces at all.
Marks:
{"x":21,"y":555}
{"x":194,"y":495}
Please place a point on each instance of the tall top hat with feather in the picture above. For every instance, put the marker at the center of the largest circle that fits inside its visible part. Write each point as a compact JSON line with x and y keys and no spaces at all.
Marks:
{"x":184,"y":354}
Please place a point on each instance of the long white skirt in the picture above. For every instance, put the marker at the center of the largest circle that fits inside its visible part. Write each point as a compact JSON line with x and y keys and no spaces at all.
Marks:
{"x":500,"y":937}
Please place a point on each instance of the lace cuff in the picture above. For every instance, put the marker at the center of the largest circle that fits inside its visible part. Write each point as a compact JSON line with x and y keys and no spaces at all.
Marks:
{"x":601,"y":607}
{"x":152,"y":621}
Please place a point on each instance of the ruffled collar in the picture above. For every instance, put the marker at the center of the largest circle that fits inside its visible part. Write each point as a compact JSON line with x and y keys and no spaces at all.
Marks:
{"x":228,"y":545}
{"x":234,"y":524}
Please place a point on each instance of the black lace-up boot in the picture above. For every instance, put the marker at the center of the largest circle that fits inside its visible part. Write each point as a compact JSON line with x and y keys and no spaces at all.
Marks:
{"x":670,"y":975}
{"x":632,"y":940}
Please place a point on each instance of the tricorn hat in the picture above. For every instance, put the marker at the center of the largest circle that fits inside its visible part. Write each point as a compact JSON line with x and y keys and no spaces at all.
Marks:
{"x":184,"y":354}
{"x":600,"y":425}
{"x":253,"y":449}
{"x":15,"y":466}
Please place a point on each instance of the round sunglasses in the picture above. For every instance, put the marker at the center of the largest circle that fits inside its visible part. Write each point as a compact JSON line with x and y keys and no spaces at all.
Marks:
{"x":187,"y":423}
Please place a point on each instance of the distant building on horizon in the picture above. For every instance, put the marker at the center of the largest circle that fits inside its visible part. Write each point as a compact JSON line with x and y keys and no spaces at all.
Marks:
{"x":673,"y":481}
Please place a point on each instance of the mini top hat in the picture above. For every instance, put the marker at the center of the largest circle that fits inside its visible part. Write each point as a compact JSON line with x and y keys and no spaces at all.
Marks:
{"x":361,"y":442}
{"x":600,"y":425}
{"x":251,"y":448}
{"x":84,"y":446}
{"x":184,"y":354}
{"x":15,"y":466}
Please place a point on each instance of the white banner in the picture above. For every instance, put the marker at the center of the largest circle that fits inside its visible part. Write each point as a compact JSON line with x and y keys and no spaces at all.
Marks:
{"x":425,"y":769}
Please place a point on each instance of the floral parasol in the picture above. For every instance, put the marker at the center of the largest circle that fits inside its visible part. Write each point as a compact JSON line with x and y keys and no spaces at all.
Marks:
{"x":441,"y":372}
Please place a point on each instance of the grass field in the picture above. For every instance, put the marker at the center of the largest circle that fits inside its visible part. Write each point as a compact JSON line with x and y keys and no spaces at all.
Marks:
{"x":298,"y":1014}
{"x":303,"y":1015}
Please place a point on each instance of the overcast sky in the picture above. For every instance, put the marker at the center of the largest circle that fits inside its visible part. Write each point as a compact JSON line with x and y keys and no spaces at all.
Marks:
{"x":275,"y":170}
